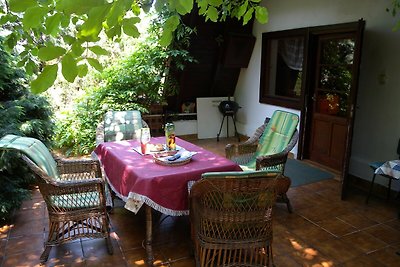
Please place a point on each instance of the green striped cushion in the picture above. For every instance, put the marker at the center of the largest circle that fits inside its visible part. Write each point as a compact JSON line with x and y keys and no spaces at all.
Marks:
{"x":79,"y":200}
{"x":34,"y":149}
{"x":276,"y":136}
{"x":121,"y":125}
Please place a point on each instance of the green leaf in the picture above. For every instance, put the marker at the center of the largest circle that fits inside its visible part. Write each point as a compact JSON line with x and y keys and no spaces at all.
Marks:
{"x":183,"y":6}
{"x":11,"y":41}
{"x":114,"y":31}
{"x":95,"y":64}
{"x":30,"y":67}
{"x":212,"y":14}
{"x":94,"y":23}
{"x":247,"y":17}
{"x":172,"y":23}
{"x":159,"y":5}
{"x":77,"y":49}
{"x":116,"y":13}
{"x":242,"y":9}
{"x":52,"y":24}
{"x":45,"y":79}
{"x":69,"y":39}
{"x":261,"y":14}
{"x":131,"y":30}
{"x":33,"y":17}
{"x":50,"y":52}
{"x":215,"y":3}
{"x":82,"y":70}
{"x":256,"y":1}
{"x":69,"y":68}
{"x":78,"y":7}
{"x":166,"y":38}
{"x":98,"y":50}
{"x":21,"y":5}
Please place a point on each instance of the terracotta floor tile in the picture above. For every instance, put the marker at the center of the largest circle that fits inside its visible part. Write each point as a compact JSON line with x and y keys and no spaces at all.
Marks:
{"x":23,"y":259}
{"x":137,"y":257}
{"x":364,"y":241}
{"x":337,"y":250}
{"x":388,"y":256}
{"x":68,"y":254}
{"x":3,"y":244}
{"x":363,"y":260}
{"x":336,"y":227}
{"x":28,"y":227}
{"x":289,"y":245}
{"x":313,"y":233}
{"x":96,"y":254}
{"x":183,"y":262}
{"x":385,"y":233}
{"x":357,"y":219}
{"x":26,"y":244}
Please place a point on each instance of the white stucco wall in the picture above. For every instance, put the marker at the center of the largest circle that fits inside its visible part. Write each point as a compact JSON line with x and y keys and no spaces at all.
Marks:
{"x":377,"y":124}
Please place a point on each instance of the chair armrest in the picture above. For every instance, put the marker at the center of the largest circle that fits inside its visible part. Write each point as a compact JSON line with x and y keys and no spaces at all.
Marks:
{"x":277,"y":160}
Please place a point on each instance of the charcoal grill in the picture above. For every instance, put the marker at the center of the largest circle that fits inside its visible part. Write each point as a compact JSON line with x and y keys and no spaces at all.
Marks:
{"x":228,"y":108}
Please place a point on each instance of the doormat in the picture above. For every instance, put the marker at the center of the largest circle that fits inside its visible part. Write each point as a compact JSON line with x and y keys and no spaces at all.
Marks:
{"x":301,"y":173}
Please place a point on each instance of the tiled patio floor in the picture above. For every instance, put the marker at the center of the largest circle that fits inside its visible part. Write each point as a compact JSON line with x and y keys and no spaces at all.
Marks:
{"x":322,"y":231}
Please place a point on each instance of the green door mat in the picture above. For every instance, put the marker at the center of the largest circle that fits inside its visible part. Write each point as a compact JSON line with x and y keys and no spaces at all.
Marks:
{"x":301,"y":173}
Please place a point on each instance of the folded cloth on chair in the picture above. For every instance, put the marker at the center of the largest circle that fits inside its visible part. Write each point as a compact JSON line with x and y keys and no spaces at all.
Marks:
{"x":390,"y":168}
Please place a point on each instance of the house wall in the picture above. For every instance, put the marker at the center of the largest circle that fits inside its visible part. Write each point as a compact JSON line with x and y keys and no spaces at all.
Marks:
{"x":377,"y":121}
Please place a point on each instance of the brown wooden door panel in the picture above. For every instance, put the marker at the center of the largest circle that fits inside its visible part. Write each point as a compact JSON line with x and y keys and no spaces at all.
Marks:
{"x":329,"y":140}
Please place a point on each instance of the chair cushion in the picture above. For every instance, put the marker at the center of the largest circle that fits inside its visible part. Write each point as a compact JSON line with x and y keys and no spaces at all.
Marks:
{"x":34,"y":149}
{"x":276,"y":136}
{"x":76,"y":201}
{"x":121,"y":125}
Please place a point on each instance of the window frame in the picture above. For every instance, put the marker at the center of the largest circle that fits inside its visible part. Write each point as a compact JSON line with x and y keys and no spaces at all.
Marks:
{"x":264,"y":95}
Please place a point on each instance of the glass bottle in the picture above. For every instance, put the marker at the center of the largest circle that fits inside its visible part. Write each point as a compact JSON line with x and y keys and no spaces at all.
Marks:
{"x":170,"y":136}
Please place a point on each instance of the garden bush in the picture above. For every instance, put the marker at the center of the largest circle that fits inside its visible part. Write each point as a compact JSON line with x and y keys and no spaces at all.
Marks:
{"x":135,"y":82}
{"x":21,"y":113}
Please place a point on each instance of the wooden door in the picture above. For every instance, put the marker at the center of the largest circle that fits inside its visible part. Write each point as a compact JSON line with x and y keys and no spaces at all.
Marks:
{"x":334,"y":90}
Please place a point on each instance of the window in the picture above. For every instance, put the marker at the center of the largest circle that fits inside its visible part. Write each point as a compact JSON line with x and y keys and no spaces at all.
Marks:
{"x":282,"y":61}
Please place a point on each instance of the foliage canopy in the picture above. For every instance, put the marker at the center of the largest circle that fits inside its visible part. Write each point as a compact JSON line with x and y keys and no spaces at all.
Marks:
{"x":61,"y":35}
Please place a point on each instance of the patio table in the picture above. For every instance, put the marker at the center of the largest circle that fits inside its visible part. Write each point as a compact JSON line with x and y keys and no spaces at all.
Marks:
{"x":138,"y":180}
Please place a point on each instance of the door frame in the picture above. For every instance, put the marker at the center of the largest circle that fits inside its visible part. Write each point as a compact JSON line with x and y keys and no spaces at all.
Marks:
{"x":307,"y":109}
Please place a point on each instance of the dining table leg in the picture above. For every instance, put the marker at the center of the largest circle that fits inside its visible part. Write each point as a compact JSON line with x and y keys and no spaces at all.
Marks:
{"x":149,"y":236}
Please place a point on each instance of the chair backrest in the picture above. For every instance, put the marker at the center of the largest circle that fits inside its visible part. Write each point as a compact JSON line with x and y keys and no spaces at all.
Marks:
{"x":223,"y":205}
{"x":121,"y":125}
{"x":278,"y":133}
{"x":34,"y":149}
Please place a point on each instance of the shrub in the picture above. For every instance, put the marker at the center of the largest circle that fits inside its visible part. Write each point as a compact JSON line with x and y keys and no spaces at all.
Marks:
{"x":24,"y":114}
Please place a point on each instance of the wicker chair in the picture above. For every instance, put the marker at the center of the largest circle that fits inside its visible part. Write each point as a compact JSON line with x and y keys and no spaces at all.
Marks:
{"x":119,"y":125}
{"x":72,"y":189}
{"x":247,"y":152}
{"x":231,"y":218}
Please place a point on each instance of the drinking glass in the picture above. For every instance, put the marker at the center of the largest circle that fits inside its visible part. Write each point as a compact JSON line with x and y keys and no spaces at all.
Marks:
{"x":144,"y":139}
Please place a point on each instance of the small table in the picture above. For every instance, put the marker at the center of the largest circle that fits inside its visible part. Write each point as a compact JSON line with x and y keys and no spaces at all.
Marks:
{"x":138,"y":180}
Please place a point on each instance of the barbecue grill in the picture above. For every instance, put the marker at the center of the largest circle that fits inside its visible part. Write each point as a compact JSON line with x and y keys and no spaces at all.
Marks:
{"x":228,"y":108}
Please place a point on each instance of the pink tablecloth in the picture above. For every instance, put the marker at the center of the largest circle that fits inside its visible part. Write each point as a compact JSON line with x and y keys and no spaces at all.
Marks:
{"x":137,"y":179}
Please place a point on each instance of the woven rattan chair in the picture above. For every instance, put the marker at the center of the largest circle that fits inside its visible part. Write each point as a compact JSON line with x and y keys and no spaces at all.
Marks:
{"x":119,"y":125}
{"x":72,"y":189}
{"x":250,"y":157}
{"x":231,"y":218}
